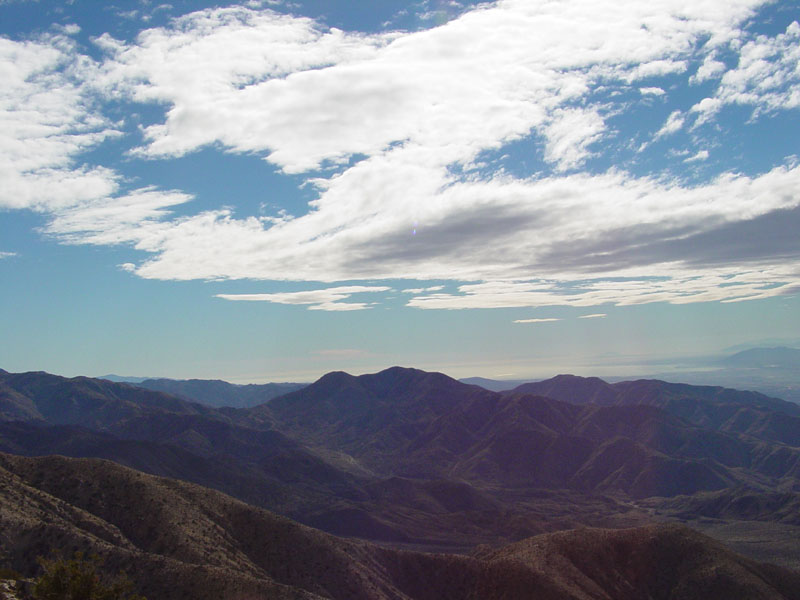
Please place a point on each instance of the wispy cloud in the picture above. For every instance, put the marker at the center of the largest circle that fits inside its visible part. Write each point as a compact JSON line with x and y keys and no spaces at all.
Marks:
{"x":7,"y":255}
{"x":699,"y":157}
{"x":536,"y":320}
{"x":674,"y":123}
{"x":593,"y":316}
{"x":329,"y":299}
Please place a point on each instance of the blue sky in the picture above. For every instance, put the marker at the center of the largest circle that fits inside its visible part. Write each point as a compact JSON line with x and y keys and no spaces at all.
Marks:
{"x":270,"y":190}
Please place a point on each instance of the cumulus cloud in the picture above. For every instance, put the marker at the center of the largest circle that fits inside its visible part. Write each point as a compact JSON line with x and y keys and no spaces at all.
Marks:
{"x":710,"y":69}
{"x":48,"y":120}
{"x":767,"y":76}
{"x":329,"y":299}
{"x":272,"y":82}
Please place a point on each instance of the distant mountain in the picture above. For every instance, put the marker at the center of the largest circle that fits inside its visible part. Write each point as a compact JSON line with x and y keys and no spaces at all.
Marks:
{"x":217,"y":393}
{"x":177,"y":540}
{"x":89,"y":402}
{"x":765,"y":358}
{"x":495,"y":385}
{"x":122,"y":378}
{"x":722,"y":409}
{"x":592,"y":390}
{"x":409,"y":423}
{"x":371,"y":418}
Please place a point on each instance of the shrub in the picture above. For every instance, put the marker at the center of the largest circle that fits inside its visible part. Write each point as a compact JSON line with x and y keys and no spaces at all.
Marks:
{"x":78,"y":579}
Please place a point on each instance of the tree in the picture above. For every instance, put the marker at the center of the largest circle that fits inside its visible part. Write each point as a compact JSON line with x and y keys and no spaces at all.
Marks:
{"x":78,"y":579}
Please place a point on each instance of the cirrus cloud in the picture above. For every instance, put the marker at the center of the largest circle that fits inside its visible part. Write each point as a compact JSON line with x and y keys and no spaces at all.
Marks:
{"x":329,"y":299}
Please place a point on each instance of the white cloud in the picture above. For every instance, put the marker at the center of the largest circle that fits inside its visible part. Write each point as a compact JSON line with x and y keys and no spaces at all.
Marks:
{"x":652,"y":91}
{"x":329,"y":299}
{"x":564,"y":226}
{"x":433,"y":288}
{"x":417,"y":106}
{"x":46,"y":121}
{"x":710,"y":69}
{"x":7,"y":255}
{"x":673,"y":124}
{"x":676,"y":288}
{"x":569,"y":135}
{"x":768,"y":74}
{"x":282,"y":85}
{"x":594,"y":316}
{"x":699,"y":157}
{"x":536,"y":320}
{"x":706,"y":109}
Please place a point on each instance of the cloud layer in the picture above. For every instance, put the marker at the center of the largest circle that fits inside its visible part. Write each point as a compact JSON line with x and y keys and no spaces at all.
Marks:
{"x":397,"y":132}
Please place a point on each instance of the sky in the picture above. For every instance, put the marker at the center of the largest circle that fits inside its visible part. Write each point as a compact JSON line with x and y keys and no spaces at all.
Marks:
{"x":270,"y":190}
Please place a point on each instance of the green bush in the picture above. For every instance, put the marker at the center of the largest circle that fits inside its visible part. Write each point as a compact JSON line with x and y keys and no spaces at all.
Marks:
{"x":78,"y":579}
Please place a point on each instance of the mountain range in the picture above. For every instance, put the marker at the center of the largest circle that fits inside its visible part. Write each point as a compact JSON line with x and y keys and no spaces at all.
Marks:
{"x":421,"y":461}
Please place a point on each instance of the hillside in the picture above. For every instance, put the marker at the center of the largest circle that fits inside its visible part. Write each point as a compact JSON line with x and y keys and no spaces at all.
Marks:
{"x":178,"y":540}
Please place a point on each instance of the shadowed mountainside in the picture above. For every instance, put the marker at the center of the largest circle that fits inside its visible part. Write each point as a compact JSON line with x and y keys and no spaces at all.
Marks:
{"x":178,"y":540}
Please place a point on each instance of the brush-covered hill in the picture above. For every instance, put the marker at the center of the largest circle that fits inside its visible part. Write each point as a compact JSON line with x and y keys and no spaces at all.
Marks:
{"x":178,"y":540}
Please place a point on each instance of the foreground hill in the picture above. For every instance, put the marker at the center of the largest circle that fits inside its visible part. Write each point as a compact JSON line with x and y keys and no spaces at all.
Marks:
{"x":178,"y":540}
